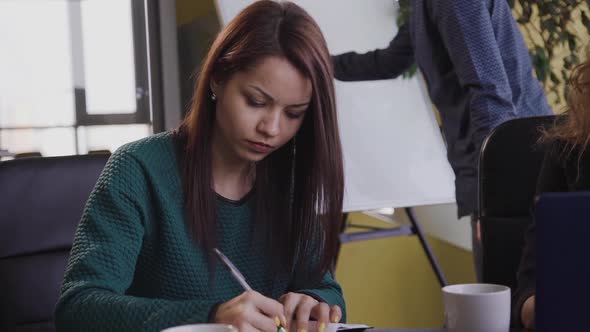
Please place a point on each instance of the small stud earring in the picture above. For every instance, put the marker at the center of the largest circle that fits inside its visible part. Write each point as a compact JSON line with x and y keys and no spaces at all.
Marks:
{"x":213,"y":96}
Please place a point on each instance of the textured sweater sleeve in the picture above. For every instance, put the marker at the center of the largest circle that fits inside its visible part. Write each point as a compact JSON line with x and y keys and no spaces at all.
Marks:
{"x":103,"y":258}
{"x":327,"y":291}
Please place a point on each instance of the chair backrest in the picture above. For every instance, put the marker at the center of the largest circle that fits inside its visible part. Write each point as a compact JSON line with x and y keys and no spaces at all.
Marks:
{"x":41,"y":202}
{"x":509,"y":165}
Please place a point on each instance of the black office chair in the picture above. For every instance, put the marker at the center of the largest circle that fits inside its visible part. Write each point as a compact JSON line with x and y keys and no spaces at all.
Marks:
{"x":509,"y":164}
{"x":41,"y":202}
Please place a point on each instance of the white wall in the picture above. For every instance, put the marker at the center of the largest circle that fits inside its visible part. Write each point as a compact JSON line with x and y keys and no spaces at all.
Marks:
{"x":441,"y":221}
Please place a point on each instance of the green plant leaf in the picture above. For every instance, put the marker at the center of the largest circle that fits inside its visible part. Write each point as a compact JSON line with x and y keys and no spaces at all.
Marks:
{"x":585,"y":20}
{"x":404,"y":13}
{"x":540,"y":63}
{"x":527,"y":12}
{"x":511,"y":3}
{"x":564,"y":74}
{"x":568,"y":62}
{"x":571,"y":2}
{"x":411,"y":71}
{"x":554,"y":78}
{"x":572,"y":43}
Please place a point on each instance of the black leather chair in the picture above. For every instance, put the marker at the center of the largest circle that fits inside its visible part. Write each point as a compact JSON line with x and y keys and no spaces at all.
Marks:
{"x":41,"y":202}
{"x":509,"y":165}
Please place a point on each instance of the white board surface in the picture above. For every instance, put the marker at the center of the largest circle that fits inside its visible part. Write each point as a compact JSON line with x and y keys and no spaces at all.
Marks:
{"x":394,"y":154}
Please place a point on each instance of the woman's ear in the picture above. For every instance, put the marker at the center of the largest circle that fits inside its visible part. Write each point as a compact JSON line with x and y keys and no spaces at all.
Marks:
{"x":214,"y":86}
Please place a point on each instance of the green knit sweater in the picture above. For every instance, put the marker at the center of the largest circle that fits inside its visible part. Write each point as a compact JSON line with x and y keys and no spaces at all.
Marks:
{"x":134,"y":265}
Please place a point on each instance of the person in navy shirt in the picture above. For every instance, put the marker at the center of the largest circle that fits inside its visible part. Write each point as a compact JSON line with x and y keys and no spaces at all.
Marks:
{"x":478,"y":73}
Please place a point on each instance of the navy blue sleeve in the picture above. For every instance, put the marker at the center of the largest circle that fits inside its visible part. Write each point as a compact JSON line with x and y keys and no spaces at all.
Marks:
{"x":379,"y":64}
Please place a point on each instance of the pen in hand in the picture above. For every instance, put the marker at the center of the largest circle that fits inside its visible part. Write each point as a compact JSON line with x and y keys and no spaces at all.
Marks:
{"x":239,"y":277}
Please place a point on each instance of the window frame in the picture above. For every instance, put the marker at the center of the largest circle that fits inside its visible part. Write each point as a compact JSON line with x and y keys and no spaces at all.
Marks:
{"x":146,"y":56}
{"x":142,"y":92}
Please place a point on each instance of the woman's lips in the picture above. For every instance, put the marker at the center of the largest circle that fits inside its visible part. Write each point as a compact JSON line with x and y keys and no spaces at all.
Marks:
{"x":260,"y":147}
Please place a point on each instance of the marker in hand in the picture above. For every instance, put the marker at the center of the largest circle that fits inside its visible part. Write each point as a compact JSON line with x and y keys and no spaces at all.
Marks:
{"x":239,"y":277}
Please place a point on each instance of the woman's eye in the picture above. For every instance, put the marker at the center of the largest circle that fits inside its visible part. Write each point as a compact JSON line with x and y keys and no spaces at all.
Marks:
{"x":292,"y":115}
{"x":255,"y":103}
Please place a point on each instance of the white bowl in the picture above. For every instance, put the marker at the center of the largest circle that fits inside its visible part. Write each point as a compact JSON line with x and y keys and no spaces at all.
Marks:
{"x":202,"y":328}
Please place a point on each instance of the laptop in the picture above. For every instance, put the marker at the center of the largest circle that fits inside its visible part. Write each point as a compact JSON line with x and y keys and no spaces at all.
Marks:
{"x":563,"y":262}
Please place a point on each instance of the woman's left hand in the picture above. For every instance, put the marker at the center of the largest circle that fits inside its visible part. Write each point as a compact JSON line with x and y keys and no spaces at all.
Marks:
{"x":300,"y":308}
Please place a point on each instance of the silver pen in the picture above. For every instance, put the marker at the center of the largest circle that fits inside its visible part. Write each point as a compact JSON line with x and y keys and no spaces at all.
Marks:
{"x":239,"y":277}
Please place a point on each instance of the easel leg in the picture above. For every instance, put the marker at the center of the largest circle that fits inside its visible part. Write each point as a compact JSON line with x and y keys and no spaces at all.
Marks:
{"x":342,"y":229}
{"x":418,"y":230}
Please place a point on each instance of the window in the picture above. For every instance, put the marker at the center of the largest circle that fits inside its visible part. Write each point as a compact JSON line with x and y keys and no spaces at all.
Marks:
{"x":74,"y":75}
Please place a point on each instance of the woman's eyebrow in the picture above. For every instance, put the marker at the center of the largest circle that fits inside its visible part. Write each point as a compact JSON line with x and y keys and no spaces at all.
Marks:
{"x":268,"y":96}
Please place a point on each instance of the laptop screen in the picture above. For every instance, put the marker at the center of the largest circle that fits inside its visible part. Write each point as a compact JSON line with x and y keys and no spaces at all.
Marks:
{"x":563,"y":262}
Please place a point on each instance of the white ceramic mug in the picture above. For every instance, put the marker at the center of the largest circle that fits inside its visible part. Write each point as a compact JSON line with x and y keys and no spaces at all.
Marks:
{"x":202,"y":328}
{"x":477,"y":308}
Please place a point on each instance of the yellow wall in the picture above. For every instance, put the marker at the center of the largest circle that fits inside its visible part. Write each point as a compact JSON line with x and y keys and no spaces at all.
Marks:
{"x":389,"y":282}
{"x":188,"y":10}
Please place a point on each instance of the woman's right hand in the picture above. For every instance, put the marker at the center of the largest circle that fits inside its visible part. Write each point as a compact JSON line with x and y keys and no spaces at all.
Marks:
{"x":251,"y":311}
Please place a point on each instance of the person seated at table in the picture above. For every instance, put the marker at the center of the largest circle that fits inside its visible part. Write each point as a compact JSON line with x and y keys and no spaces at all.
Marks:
{"x":566,"y":167}
{"x":255,"y":170}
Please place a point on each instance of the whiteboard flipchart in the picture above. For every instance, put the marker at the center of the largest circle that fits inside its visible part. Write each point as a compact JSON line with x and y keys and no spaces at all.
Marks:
{"x":394,"y":154}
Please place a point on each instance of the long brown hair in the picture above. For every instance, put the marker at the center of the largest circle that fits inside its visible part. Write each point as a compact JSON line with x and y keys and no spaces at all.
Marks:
{"x":299,"y":188}
{"x":574,"y":128}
